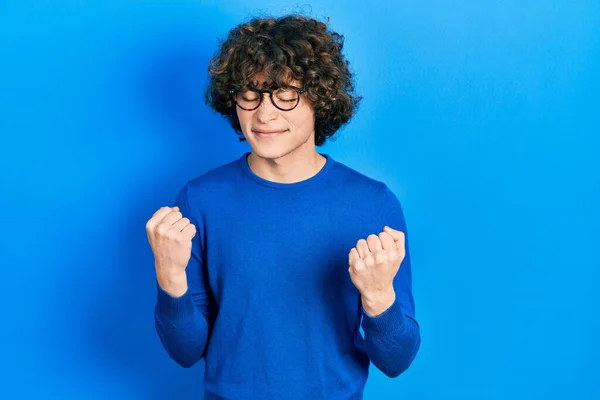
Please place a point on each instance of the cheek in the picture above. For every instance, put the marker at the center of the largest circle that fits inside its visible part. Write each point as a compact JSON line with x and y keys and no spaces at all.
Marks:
{"x":304,"y":119}
{"x":243,"y":117}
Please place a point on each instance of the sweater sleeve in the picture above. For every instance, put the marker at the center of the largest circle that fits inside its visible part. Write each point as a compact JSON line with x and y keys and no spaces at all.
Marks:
{"x":392,"y":339}
{"x":183,"y":323}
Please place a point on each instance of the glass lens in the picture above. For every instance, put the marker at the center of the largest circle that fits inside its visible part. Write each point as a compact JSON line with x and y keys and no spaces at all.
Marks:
{"x":285,"y":98}
{"x":248,"y":99}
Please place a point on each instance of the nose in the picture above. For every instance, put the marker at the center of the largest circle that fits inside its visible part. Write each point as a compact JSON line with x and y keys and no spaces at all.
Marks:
{"x":266,"y":111}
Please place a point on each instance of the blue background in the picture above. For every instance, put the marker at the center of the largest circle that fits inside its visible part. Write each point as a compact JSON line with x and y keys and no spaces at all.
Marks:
{"x":482,"y":116}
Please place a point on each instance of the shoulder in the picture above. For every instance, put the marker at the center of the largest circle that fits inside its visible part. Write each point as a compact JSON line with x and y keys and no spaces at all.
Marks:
{"x":202,"y":190}
{"x":214,"y":180}
{"x":374,"y":191}
{"x":357,"y":181}
{"x":370,"y":201}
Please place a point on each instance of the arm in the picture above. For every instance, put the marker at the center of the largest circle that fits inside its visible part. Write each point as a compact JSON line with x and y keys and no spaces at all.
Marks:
{"x":183,"y":316}
{"x":392,"y":334}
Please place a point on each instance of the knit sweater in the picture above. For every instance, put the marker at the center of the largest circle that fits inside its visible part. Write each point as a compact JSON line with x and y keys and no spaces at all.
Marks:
{"x":270,"y":306}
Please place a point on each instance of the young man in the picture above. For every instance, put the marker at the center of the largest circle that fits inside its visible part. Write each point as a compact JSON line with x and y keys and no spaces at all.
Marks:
{"x":268,"y":266}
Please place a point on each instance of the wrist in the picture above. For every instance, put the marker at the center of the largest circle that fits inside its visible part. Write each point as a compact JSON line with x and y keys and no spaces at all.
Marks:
{"x":174,"y":284}
{"x":375,"y":304}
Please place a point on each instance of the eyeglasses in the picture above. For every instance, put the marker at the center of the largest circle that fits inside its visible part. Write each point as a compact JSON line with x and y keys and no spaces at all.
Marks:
{"x":285,"y":98}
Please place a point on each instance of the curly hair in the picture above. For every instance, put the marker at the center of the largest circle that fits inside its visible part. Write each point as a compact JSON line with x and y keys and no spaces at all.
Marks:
{"x":292,"y":47}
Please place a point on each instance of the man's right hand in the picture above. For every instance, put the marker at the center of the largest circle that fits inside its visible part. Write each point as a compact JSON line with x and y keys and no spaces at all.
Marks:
{"x":170,"y":236}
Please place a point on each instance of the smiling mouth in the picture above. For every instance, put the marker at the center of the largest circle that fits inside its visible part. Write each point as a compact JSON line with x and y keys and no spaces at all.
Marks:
{"x":271,"y":133}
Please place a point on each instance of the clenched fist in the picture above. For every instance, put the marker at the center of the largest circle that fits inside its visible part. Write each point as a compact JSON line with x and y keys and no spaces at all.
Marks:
{"x":170,"y":236}
{"x":374,"y":263}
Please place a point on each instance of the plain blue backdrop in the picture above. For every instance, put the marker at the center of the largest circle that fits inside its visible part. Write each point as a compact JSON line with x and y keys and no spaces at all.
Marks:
{"x":482,"y":116}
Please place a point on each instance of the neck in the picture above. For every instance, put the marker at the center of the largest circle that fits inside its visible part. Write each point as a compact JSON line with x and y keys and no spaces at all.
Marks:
{"x":290,"y":168}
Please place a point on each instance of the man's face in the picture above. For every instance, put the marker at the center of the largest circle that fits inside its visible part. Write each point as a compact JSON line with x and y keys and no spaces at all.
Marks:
{"x":298,"y":126}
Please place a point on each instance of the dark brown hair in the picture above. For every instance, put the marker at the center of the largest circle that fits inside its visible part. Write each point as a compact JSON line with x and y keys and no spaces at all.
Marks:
{"x":293,"y":47}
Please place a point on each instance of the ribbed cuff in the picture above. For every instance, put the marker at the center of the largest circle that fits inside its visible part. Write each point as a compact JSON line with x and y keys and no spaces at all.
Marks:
{"x":390,"y":321}
{"x":174,"y":308}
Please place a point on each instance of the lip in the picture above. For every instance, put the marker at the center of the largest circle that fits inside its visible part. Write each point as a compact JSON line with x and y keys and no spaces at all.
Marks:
{"x":269,"y":133}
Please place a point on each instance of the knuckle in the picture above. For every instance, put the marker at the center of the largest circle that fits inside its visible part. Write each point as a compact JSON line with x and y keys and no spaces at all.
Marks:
{"x":381,"y":258}
{"x":179,"y":239}
{"x":160,"y":229}
{"x":369,"y":261}
{"x":161,"y":210}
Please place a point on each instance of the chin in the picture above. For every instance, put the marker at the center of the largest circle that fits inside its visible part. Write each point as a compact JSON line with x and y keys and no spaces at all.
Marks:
{"x":274,"y":148}
{"x":269,"y":152}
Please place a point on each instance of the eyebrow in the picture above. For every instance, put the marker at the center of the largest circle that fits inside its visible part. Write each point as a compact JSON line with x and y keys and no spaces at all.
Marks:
{"x":264,"y":84}
{"x":271,"y":85}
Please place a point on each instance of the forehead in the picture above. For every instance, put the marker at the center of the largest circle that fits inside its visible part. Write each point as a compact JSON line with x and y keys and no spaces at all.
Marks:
{"x":262,"y":80}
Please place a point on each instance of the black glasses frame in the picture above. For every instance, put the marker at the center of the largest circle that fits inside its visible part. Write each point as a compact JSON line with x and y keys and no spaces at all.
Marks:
{"x":270,"y":92}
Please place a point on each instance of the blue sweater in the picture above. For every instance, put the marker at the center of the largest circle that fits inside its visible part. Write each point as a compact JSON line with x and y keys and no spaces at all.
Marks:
{"x":270,"y":305}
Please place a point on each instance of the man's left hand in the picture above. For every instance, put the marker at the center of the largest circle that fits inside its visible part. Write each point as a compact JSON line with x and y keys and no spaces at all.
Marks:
{"x":374,"y":263}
